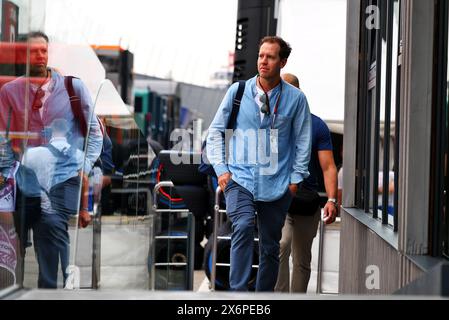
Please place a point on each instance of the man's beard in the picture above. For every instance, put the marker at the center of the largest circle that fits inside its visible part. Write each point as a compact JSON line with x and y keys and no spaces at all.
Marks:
{"x":39,"y":72}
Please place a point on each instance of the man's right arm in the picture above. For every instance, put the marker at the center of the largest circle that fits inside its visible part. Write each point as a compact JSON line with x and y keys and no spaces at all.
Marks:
{"x":302,"y":127}
{"x":215,"y":146}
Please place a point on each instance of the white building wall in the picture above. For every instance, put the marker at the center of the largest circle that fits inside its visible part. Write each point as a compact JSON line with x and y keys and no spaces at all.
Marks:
{"x":316,"y":31}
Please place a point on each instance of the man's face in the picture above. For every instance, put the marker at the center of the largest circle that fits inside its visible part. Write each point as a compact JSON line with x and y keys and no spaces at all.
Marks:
{"x":269,"y":64}
{"x":38,"y":56}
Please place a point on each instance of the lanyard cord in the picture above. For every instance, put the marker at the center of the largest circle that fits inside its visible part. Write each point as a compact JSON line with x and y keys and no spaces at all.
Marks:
{"x":40,"y":87}
{"x":276,"y":107}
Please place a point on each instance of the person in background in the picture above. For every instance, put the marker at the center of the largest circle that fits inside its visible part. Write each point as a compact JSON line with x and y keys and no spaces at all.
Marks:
{"x":302,"y":220}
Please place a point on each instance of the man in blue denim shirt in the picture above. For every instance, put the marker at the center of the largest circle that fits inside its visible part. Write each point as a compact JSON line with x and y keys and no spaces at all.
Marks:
{"x":268,"y":155}
{"x":31,"y":105}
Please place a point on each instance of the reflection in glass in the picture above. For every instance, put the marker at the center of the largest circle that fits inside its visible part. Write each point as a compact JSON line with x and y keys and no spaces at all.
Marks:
{"x":387,"y":117}
{"x":394,"y":94}
{"x":113,"y":186}
{"x":13,"y":62}
{"x":382,"y":141}
{"x":57,"y":141}
{"x":372,"y":144}
{"x":389,"y":142}
{"x":445,"y":215}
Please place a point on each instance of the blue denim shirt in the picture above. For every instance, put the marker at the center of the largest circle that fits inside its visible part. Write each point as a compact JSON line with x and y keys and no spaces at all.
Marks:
{"x":262,"y":160}
{"x":12,"y":109}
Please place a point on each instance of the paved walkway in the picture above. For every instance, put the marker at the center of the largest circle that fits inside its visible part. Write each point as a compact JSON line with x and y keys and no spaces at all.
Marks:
{"x":330,"y":264}
{"x":124,"y":254}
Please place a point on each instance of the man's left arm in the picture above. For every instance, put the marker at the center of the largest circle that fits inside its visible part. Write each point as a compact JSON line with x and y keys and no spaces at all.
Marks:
{"x":84,"y":217}
{"x":302,"y":127}
{"x":327,"y":164}
{"x":95,"y":137}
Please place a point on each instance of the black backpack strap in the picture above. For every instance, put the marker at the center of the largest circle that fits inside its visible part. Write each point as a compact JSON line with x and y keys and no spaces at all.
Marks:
{"x":236,"y":105}
{"x":75,"y":103}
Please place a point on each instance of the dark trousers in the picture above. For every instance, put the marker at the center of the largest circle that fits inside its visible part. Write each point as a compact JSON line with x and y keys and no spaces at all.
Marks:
{"x":51,"y":245}
{"x":241,"y":209}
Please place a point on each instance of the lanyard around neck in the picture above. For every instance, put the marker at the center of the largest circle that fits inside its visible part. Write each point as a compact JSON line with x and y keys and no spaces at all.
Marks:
{"x":276,"y":106}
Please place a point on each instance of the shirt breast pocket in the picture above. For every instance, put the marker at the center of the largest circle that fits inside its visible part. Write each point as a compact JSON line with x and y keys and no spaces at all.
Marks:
{"x":283,"y":125}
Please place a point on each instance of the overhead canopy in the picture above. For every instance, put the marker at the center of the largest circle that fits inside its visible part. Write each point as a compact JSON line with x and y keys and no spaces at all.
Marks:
{"x":108,"y":102}
{"x":78,"y":61}
{"x":82,"y":62}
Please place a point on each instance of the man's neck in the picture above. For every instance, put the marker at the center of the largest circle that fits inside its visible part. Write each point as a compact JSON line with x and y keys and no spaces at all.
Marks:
{"x":41,"y":78}
{"x":268,"y":84}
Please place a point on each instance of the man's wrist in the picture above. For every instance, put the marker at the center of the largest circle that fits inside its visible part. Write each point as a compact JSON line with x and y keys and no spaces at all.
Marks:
{"x":333,"y":201}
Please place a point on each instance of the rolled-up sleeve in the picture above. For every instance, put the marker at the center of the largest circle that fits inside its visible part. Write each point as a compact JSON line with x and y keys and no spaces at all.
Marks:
{"x":302,"y":126}
{"x":215,"y":146}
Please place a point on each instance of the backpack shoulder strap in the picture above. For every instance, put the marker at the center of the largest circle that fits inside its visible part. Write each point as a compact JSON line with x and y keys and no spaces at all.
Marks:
{"x":58,"y":153}
{"x":75,"y":103}
{"x":8,"y":124}
{"x":236,"y":104}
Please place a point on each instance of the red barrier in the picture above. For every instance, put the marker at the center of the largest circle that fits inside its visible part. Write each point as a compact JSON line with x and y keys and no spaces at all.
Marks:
{"x":13,"y":53}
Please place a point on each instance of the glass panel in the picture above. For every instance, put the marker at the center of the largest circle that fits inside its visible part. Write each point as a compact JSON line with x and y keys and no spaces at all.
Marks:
{"x":14,"y":59}
{"x":125,"y":200}
{"x":372,"y":135}
{"x":392,"y":109}
{"x":63,"y":158}
{"x":394,"y":93}
{"x":114,"y":191}
{"x":88,"y":241}
{"x":445,"y":215}
{"x":382,"y":140}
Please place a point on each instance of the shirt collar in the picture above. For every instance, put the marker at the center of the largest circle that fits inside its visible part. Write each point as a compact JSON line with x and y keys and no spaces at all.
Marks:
{"x":273,"y":91}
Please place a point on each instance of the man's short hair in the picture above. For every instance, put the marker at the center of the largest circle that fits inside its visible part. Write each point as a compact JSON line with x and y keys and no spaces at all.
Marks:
{"x":291,"y":78}
{"x":285,"y":50}
{"x":37,"y":34}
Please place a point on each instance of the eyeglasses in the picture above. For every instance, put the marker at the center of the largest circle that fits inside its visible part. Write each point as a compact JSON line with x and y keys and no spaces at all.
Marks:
{"x":265,"y":108}
{"x":37,"y":103}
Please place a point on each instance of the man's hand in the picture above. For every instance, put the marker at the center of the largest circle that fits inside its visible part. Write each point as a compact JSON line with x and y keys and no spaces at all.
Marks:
{"x":84,"y":219}
{"x":293,"y":189}
{"x":223,"y":180}
{"x":329,"y":210}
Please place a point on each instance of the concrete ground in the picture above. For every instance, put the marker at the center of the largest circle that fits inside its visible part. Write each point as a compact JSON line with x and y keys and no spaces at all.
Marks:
{"x":330,"y":264}
{"x":124,"y":258}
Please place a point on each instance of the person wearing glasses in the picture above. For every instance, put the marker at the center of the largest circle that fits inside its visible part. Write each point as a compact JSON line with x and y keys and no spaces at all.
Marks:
{"x":302,"y":220}
{"x":268,"y":156}
{"x":29,"y":106}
